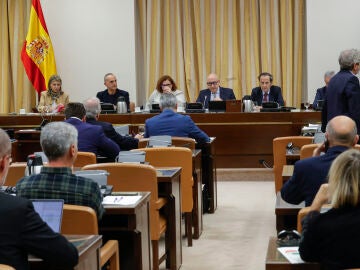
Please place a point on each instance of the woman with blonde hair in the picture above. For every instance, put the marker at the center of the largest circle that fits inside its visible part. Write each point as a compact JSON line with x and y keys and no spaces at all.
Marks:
{"x":54,"y":99}
{"x":332,"y":238}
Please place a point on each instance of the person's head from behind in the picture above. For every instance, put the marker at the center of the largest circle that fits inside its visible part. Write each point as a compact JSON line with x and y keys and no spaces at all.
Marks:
{"x":59,"y":141}
{"x":54,"y":83}
{"x":327,"y":76}
{"x":213,"y":82}
{"x":110,"y":81}
{"x":168,"y":101}
{"x":166,"y":84}
{"x":5,"y":155}
{"x":75,"y":109}
{"x":341,"y":130}
{"x":92,"y":107}
{"x":344,"y":179}
{"x":350,"y":60}
{"x":265,"y":81}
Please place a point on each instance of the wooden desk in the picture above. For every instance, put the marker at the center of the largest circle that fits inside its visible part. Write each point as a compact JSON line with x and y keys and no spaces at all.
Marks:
{"x":287,"y":172}
{"x":130,"y":225}
{"x":242,"y":139}
{"x":286,"y":214}
{"x":197,"y":194}
{"x":276,"y":261}
{"x":169,"y":187}
{"x":88,"y":247}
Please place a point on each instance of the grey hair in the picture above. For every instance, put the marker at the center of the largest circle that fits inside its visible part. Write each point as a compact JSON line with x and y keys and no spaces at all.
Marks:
{"x":167,"y":101}
{"x":329,"y":73}
{"x":347,"y":138}
{"x":92,"y":107}
{"x":107,"y":74}
{"x":348,"y":58}
{"x":56,"y":139}
{"x":5,"y":144}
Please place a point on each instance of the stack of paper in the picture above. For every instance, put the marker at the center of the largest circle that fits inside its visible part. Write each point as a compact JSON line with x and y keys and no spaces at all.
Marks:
{"x":121,"y":200}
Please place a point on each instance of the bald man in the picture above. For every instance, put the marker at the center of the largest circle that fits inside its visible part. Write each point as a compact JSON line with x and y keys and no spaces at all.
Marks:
{"x":214,"y":91}
{"x":310,"y":173}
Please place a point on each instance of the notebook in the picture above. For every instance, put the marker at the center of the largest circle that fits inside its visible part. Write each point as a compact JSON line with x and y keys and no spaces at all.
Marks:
{"x":51,"y":211}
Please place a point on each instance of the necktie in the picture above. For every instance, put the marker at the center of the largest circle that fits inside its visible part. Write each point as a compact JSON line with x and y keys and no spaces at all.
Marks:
{"x":213,"y":96}
{"x":265,"y":98}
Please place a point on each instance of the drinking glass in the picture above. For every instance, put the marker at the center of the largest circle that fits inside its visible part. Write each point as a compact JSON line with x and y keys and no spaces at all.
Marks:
{"x":307,"y":105}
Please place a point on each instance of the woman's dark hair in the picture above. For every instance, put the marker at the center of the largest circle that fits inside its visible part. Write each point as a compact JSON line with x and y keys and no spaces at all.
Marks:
{"x":164,"y":78}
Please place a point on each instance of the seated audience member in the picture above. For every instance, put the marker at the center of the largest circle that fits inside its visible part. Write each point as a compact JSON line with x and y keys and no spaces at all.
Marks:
{"x":54,"y":99}
{"x":91,"y":138}
{"x":111,"y":94}
{"x":168,"y":122}
{"x":266,"y":92}
{"x":214,"y":92}
{"x":321,"y":92}
{"x":92,"y":107}
{"x":166,"y":84}
{"x":332,"y":238}
{"x":56,"y":181}
{"x":310,"y":173}
{"x":23,"y":232}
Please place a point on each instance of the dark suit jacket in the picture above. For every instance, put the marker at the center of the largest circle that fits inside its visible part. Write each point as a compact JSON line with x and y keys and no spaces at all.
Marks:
{"x":342,"y":98}
{"x":274,"y":96}
{"x":171,"y":123}
{"x":124,"y":142}
{"x":22,"y":231}
{"x":309,"y":174}
{"x":105,"y":97}
{"x":204,"y":96}
{"x":92,"y":138}
{"x":320,"y":95}
{"x":332,"y":238}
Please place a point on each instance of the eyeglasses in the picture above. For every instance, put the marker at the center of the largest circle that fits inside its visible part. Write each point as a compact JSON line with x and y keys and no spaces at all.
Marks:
{"x":212,"y":83}
{"x":167,"y":84}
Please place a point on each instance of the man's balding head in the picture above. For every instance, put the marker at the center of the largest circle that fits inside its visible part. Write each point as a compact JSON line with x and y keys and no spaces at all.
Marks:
{"x":341,"y":130}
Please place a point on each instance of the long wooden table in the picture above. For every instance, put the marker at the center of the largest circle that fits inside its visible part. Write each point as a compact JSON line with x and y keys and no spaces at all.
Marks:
{"x":242,"y":139}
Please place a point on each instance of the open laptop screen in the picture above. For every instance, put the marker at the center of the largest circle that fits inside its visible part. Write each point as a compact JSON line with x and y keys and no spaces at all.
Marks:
{"x":51,"y":211}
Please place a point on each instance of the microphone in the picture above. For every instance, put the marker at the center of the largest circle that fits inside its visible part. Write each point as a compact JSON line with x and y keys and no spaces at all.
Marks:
{"x":204,"y":101}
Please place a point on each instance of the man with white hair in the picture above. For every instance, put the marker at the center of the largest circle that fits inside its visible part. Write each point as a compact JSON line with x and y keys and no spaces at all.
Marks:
{"x":321,"y":92}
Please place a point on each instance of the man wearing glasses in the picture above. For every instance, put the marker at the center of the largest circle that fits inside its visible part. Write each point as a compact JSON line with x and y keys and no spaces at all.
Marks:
{"x":214,"y":92}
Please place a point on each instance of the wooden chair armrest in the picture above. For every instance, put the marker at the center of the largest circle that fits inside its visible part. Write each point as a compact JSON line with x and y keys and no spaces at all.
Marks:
{"x":110,"y":252}
{"x":161,"y":202}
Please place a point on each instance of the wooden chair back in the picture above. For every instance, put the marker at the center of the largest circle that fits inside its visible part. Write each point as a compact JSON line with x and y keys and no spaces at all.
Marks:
{"x":279,"y":155}
{"x":15,"y":173}
{"x":307,"y":150}
{"x":84,"y":158}
{"x":78,"y":219}
{"x":175,"y":157}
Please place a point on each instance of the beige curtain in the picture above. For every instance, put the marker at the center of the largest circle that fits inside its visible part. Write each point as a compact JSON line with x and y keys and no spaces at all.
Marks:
{"x":237,"y":39}
{"x":15,"y":89}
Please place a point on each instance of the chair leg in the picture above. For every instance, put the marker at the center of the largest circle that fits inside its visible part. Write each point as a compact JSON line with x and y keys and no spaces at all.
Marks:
{"x":188,"y":227}
{"x":155,"y":252}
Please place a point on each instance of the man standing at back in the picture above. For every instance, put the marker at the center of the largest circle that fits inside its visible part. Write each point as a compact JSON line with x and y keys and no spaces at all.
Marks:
{"x":215,"y":92}
{"x":56,"y":181}
{"x":168,"y":122}
{"x":310,"y":173}
{"x":91,"y":138}
{"x":343,"y":93}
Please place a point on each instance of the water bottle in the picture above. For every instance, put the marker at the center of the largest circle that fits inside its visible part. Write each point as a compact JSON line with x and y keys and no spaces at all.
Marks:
{"x":121,"y":105}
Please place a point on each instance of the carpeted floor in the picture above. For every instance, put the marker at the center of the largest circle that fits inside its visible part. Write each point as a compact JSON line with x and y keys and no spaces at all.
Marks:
{"x":236,"y":236}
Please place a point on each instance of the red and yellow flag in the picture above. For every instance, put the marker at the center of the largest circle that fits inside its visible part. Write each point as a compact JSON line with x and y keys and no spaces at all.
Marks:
{"x":37,"y":53}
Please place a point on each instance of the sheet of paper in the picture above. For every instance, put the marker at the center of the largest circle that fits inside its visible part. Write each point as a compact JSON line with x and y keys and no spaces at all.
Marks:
{"x":291,"y":254}
{"x":121,"y":200}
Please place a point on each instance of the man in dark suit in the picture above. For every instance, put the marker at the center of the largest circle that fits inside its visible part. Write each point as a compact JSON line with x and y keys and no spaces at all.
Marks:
{"x":321,"y":92}
{"x":91,"y":138}
{"x":343,"y":93}
{"x":112,"y":93}
{"x":266,"y":92}
{"x":310,"y":173}
{"x":92,"y":107}
{"x":23,"y":232}
{"x":214,"y":92}
{"x":168,"y":122}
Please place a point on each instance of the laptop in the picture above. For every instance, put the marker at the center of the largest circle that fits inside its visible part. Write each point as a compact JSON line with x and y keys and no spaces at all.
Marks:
{"x":195,"y":107}
{"x":217,"y":106}
{"x":50,"y":211}
{"x":107,"y":108}
{"x":155,"y":108}
{"x":99,"y":177}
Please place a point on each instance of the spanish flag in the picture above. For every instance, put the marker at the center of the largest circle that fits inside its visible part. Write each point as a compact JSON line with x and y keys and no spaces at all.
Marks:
{"x":37,"y":53}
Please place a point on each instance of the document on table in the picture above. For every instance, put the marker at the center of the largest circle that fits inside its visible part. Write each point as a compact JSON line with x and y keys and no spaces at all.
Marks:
{"x":291,"y":254}
{"x":121,"y":200}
